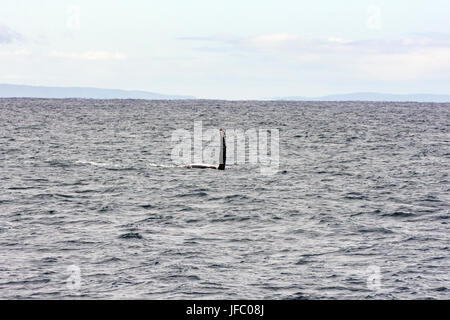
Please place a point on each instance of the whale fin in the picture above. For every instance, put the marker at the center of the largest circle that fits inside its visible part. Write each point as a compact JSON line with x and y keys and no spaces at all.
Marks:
{"x":200,"y":166}
{"x":222,"y":156}
{"x":223,"y":151}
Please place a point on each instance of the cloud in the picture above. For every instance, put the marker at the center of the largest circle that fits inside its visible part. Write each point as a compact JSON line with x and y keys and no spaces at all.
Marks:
{"x":14,"y":77}
{"x":424,"y":63}
{"x":288,"y":43}
{"x":89,"y":55}
{"x":405,"y":58}
{"x":335,"y":45}
{"x":21,"y":52}
{"x":214,"y":38}
{"x":8,"y":36}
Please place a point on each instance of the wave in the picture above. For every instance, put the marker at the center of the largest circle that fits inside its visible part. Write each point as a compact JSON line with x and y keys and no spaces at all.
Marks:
{"x":131,"y":235}
{"x":112,"y":166}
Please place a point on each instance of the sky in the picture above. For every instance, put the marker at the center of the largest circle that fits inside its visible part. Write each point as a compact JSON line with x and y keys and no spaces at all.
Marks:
{"x":230,"y":49}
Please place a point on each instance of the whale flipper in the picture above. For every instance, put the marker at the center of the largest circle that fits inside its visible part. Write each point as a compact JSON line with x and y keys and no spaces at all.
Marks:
{"x":222,"y":156}
{"x":200,"y":166}
{"x":223,"y":151}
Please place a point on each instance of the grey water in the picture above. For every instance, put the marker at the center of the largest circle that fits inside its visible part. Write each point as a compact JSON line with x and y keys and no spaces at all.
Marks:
{"x":93,"y":207}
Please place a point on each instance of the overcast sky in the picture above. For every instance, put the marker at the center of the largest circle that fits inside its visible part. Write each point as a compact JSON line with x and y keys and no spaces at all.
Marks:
{"x":229,"y":49}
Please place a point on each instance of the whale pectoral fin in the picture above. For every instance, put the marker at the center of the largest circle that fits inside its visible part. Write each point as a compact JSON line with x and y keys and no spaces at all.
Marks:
{"x":222,"y":157}
{"x":200,"y":166}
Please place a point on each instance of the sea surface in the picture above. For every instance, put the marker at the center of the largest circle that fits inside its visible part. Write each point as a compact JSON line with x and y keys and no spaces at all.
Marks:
{"x":92,"y":205}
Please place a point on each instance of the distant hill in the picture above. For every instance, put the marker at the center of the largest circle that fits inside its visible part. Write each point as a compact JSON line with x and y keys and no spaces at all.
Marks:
{"x":24,"y":91}
{"x":373,"y":96}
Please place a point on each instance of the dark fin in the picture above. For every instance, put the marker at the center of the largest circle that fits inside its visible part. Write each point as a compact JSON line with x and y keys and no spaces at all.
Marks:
{"x":223,"y":151}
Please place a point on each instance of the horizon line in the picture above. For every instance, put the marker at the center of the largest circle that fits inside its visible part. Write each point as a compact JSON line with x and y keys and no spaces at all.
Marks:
{"x":170,"y":96}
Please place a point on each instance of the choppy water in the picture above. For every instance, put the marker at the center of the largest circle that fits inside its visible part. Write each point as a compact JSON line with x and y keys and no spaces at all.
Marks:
{"x":89,"y":184}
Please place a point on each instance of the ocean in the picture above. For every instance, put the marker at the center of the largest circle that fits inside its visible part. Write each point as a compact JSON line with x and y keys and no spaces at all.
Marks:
{"x":93,"y":206}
